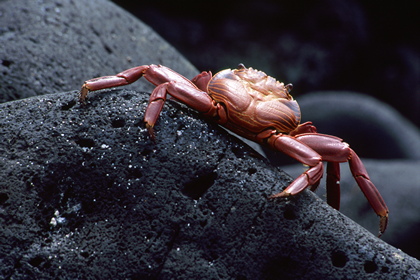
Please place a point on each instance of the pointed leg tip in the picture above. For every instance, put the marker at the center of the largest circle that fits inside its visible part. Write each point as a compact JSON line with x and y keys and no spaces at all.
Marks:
{"x":82,"y":102}
{"x":281,"y":194}
{"x":383,"y":223}
{"x":83,"y":94}
{"x":151,"y":132}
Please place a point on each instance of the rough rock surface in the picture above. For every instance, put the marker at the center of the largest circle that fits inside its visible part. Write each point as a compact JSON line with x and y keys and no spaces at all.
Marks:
{"x":86,"y":193}
{"x":400,"y":192}
{"x":51,"y":46}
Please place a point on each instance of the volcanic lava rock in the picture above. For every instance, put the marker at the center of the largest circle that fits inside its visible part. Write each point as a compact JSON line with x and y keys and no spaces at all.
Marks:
{"x":86,"y":193}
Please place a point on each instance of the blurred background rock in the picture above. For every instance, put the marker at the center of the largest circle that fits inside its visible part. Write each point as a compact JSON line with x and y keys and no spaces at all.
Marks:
{"x":370,"y":47}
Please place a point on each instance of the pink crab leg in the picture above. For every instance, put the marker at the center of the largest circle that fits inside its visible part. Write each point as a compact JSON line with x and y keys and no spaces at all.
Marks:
{"x":301,"y":152}
{"x":333,"y":149}
{"x":369,"y":190}
{"x":333,"y":184}
{"x":156,"y":74}
{"x":167,"y":81}
{"x":121,"y":79}
{"x":188,"y":94}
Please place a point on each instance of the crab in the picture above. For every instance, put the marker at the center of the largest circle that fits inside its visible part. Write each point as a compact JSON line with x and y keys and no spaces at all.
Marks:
{"x":258,"y":107}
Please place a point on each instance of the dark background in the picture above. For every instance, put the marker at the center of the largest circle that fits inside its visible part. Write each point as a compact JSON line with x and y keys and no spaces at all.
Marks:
{"x":369,"y":47}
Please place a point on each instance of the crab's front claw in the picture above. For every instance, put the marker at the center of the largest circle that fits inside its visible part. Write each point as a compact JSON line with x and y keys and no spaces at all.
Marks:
{"x":202,"y":80}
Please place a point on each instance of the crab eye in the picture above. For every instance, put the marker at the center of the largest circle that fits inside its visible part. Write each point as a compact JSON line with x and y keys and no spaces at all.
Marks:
{"x":241,"y":66}
{"x":289,"y":87}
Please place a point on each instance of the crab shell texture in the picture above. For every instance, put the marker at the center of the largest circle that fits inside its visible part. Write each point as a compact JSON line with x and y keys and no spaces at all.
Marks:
{"x":254,"y":102}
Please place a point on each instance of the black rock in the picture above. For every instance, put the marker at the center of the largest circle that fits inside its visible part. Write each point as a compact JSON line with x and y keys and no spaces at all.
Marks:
{"x":52,"y":46}
{"x":86,"y":193}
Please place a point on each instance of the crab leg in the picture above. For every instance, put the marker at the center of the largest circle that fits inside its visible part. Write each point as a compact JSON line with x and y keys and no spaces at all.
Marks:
{"x":333,"y":184}
{"x":303,"y":153}
{"x":167,"y":81}
{"x":156,"y":74}
{"x":333,"y":149}
{"x":188,"y":94}
{"x":121,"y":79}
{"x":369,"y":190}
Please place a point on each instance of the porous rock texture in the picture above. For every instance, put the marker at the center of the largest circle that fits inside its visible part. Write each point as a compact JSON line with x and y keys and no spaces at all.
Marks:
{"x":85,"y":193}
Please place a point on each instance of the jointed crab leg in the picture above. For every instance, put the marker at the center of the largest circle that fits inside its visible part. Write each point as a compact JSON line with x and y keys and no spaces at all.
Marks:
{"x":369,"y":190}
{"x":303,"y":154}
{"x":121,"y":79}
{"x":156,"y":74}
{"x":187,"y":93}
{"x":167,"y":81}
{"x":331,"y":149}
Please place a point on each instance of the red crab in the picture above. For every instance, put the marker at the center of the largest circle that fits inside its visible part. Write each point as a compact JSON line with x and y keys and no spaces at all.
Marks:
{"x":257,"y":107}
